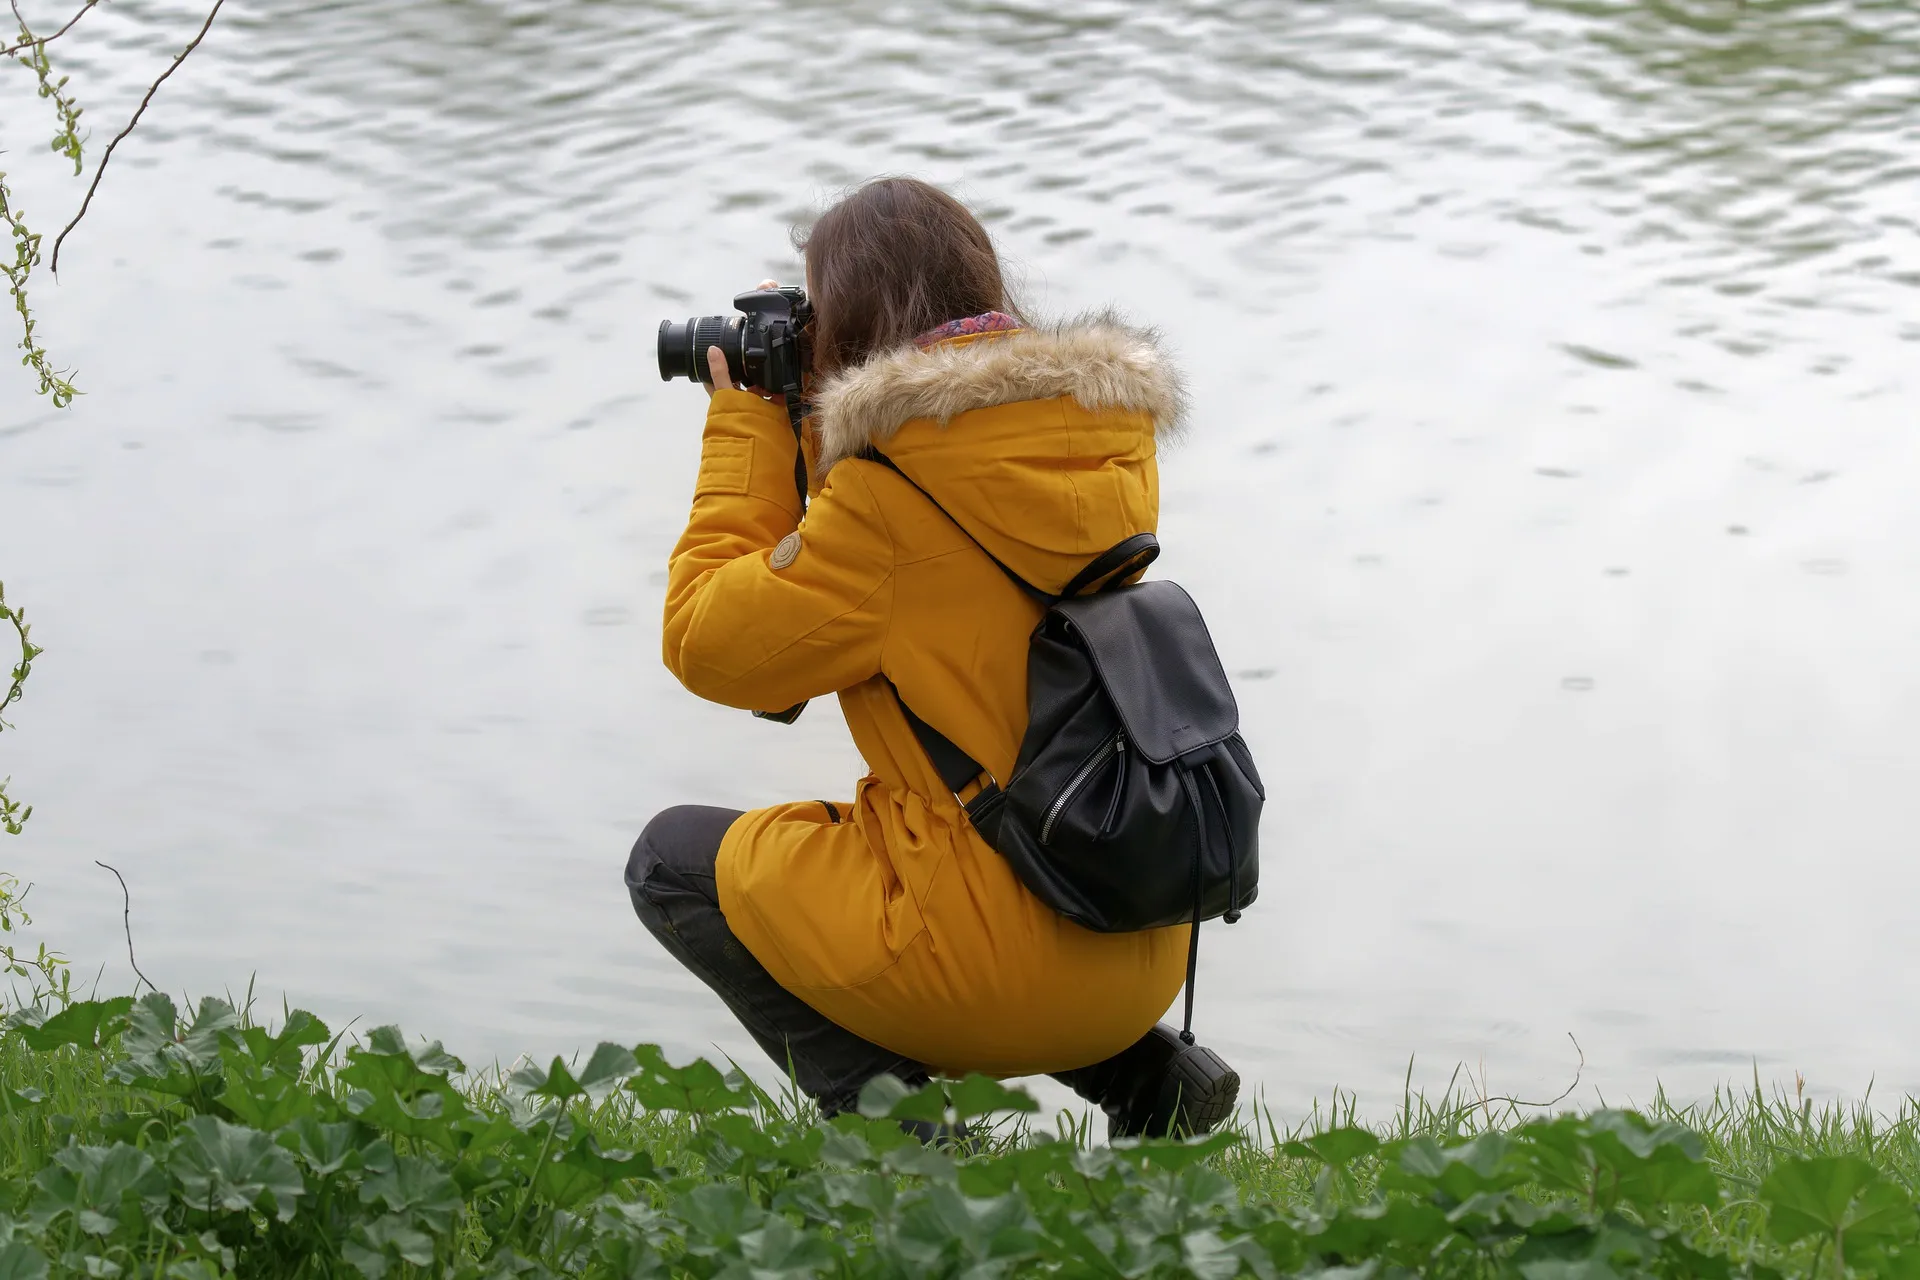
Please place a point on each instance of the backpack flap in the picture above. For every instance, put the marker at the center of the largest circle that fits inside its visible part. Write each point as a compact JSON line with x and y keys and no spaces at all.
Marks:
{"x":1152,"y":653}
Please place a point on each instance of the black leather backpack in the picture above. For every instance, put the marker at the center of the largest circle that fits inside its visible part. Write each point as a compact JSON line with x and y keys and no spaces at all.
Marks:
{"x":1134,"y":803}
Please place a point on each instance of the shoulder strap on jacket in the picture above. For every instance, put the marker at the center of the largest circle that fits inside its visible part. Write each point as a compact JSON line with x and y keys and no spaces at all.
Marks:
{"x":872,"y":454}
{"x":956,"y":768}
{"x":1110,"y":568}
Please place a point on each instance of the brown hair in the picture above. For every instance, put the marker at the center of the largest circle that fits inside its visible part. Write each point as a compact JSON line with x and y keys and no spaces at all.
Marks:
{"x":891,"y":260}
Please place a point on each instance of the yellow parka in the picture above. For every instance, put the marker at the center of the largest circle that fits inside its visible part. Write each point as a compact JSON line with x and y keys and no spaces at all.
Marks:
{"x":889,"y":914}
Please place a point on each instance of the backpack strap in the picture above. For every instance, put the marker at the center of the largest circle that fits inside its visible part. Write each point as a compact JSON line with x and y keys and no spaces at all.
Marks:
{"x":1111,"y":567}
{"x":1114,"y":565}
{"x":956,"y":768}
{"x":871,"y":454}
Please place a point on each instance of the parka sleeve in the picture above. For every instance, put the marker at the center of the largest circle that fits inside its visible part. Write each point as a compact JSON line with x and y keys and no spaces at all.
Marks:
{"x":743,"y":633}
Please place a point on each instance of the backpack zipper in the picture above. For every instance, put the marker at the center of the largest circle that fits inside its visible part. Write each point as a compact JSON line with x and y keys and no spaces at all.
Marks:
{"x":1078,"y":780}
{"x":1107,"y":824}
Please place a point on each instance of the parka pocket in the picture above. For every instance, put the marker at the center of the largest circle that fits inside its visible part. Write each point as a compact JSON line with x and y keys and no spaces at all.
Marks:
{"x":726,"y":466}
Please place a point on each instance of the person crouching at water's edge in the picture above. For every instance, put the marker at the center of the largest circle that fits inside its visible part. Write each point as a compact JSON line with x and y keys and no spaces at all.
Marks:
{"x":881,"y":934}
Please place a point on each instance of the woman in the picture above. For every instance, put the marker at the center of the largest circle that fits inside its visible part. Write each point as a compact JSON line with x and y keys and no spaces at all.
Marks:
{"x":882,"y":934}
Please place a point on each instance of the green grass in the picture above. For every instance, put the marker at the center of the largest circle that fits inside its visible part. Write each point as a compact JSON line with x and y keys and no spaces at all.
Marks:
{"x":136,"y":1142}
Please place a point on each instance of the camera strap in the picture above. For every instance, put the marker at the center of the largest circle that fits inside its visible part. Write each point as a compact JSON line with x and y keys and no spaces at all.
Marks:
{"x":797,"y":415}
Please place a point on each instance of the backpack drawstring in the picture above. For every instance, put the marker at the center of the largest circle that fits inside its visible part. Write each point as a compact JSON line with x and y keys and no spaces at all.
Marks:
{"x":1232,"y":915}
{"x":1200,"y":850}
{"x":1193,"y":937}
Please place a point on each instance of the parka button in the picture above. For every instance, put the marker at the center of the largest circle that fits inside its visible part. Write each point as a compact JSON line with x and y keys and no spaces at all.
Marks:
{"x":786,"y":551}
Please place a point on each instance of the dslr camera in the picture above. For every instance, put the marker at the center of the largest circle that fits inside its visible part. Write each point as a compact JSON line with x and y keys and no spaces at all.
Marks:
{"x":765,"y":345}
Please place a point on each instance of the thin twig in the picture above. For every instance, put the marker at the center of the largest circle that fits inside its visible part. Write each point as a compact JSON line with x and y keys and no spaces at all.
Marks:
{"x":126,"y":922}
{"x":43,"y":41}
{"x":138,"y":111}
{"x":1551,"y":1102}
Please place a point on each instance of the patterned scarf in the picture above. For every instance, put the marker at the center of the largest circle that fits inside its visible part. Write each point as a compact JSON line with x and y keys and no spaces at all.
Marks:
{"x":989,"y":322}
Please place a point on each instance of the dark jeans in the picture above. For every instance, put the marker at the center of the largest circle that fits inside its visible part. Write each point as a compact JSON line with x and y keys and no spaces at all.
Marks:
{"x":670,"y":879}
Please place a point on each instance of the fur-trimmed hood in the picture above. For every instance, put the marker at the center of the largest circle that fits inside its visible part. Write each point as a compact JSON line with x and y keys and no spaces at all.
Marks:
{"x":1099,"y":360}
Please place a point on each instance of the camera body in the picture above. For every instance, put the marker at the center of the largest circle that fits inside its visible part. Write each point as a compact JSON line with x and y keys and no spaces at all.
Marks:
{"x":765,"y":345}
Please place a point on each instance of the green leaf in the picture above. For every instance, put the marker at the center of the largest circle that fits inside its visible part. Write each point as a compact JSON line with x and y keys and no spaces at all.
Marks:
{"x":1335,"y":1147}
{"x":1487,"y":1163}
{"x":1683,"y":1260}
{"x":484,"y":1132}
{"x":717,"y":1215}
{"x":1569,"y":1269}
{"x":163,"y":1057}
{"x":285,"y":1052}
{"x":1034,"y":1167}
{"x":403,"y":1090}
{"x":779,"y":1250}
{"x":427,"y":1116}
{"x":416,"y":1190}
{"x":979,"y":1095}
{"x":556,"y":1082}
{"x":231,"y":1167}
{"x":1614,"y":1248}
{"x":748,"y":1147}
{"x":697,"y":1088}
{"x":87,"y":1023}
{"x":390,"y":1042}
{"x":941,"y":1224}
{"x":609,"y":1067}
{"x":1175,"y":1154}
{"x":743,"y":1134}
{"x":387,"y":1048}
{"x":151,"y":1024}
{"x":374,"y":1247}
{"x":628,"y":1238}
{"x":1877,"y":1259}
{"x":1613,"y":1157}
{"x":584,"y":1170}
{"x":268,"y":1101}
{"x":325,"y":1149}
{"x":101,"y":1187}
{"x":914,"y":1160}
{"x":21,"y":1261}
{"x":1371,"y":1230}
{"x":887,"y":1097}
{"x":1832,"y":1195}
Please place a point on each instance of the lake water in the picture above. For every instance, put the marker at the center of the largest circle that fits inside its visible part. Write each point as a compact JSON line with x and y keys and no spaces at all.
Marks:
{"x":1550,"y":494}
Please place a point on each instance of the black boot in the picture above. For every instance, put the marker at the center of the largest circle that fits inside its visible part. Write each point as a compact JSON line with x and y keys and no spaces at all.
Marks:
{"x":1159,"y":1086}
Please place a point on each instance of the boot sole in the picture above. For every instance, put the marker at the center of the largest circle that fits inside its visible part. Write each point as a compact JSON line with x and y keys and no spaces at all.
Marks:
{"x":1197,"y":1092}
{"x":1200,"y":1091}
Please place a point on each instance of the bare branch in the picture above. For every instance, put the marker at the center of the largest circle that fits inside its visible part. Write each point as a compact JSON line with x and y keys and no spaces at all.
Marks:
{"x":138,"y":111}
{"x":32,"y":39}
{"x":1516,"y":1103}
{"x":126,"y":921}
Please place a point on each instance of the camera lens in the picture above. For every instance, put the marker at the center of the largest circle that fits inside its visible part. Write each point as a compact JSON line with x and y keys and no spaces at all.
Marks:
{"x":676,"y":346}
{"x":683,"y":347}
